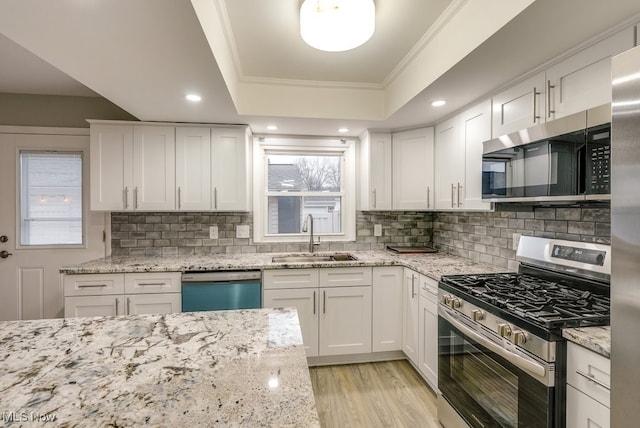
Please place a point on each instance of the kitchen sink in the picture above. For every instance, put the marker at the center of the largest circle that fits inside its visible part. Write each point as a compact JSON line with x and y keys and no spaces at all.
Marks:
{"x":312,"y":258}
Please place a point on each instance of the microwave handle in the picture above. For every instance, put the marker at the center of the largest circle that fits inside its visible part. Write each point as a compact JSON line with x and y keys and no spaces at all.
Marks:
{"x":528,"y":366}
{"x":581,"y":170}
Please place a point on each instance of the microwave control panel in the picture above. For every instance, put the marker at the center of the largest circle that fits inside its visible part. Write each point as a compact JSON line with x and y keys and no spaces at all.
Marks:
{"x":599,"y":171}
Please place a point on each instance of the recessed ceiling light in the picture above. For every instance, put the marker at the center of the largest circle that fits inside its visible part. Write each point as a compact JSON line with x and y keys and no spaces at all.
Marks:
{"x":193,"y":97}
{"x":343,"y":130}
{"x":272,"y":127}
{"x":438,"y":103}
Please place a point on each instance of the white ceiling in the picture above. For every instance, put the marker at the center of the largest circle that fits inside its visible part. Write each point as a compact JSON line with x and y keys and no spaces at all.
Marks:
{"x":252,"y":67}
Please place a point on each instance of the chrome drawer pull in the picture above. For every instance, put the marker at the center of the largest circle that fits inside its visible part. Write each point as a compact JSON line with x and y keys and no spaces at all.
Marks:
{"x":142,"y":284}
{"x":91,"y":285}
{"x":592,"y":378}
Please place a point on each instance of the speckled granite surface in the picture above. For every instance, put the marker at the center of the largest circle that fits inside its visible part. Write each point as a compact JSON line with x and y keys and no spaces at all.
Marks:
{"x":433,"y":265}
{"x":597,"y":339}
{"x":230,"y":368}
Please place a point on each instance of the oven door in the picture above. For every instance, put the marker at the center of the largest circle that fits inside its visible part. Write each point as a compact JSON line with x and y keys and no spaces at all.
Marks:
{"x":486,"y":384}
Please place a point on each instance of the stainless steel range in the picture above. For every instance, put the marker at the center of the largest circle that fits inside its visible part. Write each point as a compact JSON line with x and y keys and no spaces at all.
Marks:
{"x":502,"y":359}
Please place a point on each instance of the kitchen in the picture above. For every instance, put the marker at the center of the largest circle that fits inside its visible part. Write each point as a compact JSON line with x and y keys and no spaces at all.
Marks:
{"x":476,"y":234}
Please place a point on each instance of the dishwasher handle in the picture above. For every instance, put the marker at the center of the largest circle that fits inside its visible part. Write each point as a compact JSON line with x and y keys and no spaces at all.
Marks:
{"x":221,"y":276}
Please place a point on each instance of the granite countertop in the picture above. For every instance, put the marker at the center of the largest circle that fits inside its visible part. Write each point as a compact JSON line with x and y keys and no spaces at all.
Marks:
{"x":226,"y":368}
{"x":597,"y":339}
{"x":433,"y":265}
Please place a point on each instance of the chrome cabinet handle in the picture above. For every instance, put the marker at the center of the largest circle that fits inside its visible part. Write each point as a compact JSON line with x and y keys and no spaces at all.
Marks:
{"x":459,"y":187}
{"x":135,"y":197}
{"x":91,"y":285}
{"x":413,"y":286}
{"x":314,"y":302}
{"x":215,"y":198}
{"x":179,"y":194}
{"x":128,"y":305}
{"x":428,"y":197}
{"x":549,"y":88}
{"x":117,"y":302}
{"x":593,"y":379}
{"x":143,"y":284}
{"x":126,"y":197}
{"x":535,"y":104}
{"x":324,"y":301}
{"x":4,"y":254}
{"x":375,"y":198}
{"x":452,"y":195}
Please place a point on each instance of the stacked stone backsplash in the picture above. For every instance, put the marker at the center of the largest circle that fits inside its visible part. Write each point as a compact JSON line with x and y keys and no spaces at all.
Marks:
{"x":488,"y":237}
{"x":187,"y":233}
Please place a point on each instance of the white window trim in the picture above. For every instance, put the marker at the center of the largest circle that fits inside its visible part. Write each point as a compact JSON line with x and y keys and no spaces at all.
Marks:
{"x":347,"y":147}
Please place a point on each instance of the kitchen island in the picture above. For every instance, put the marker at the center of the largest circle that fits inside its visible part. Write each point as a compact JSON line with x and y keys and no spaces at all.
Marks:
{"x":227,"y":368}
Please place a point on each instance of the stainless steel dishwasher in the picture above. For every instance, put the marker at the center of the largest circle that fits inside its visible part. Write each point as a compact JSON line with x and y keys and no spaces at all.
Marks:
{"x":222,"y":290}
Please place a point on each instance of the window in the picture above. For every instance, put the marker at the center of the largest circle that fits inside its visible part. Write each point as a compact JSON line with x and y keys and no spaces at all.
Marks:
{"x":299,"y":178}
{"x":51,"y":198}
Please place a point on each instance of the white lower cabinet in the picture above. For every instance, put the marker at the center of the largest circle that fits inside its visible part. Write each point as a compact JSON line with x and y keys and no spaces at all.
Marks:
{"x":334,"y":320}
{"x":410,"y":310}
{"x":305,"y":300}
{"x":428,"y":331}
{"x":387,"y":308}
{"x":588,"y":388}
{"x":94,"y":295}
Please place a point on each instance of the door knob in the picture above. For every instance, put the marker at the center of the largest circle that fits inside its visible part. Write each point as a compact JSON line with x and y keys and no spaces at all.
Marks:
{"x":4,"y":238}
{"x":4,"y":254}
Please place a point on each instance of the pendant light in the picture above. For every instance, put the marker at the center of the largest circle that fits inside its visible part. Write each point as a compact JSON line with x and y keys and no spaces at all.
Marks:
{"x":337,"y":25}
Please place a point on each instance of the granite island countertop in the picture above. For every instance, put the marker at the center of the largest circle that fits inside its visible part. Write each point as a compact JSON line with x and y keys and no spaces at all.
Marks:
{"x":433,"y":265}
{"x":596,"y":339}
{"x":226,"y":368}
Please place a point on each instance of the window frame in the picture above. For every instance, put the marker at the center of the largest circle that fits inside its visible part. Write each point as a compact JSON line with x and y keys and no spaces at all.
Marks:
{"x":264,"y":145}
{"x":84,"y":190}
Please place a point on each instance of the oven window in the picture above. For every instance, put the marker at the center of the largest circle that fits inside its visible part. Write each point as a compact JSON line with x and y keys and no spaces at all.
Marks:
{"x":493,"y":387}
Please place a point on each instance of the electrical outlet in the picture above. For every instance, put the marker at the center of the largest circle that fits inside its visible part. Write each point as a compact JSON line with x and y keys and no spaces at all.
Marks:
{"x":377,"y":230}
{"x":213,"y":232}
{"x":516,"y":241}
{"x":242,"y":231}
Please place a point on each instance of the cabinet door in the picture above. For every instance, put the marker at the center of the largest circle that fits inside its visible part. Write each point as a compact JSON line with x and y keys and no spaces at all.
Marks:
{"x":230,"y":169}
{"x":193,"y":169}
{"x":94,"y":306}
{"x":583,"y":411}
{"x":520,"y":106}
{"x":387,"y":308}
{"x":111,"y":167}
{"x":428,"y":339}
{"x":449,"y":164}
{"x":410,"y":315}
{"x":376,"y":172}
{"x":154,"y":168}
{"x":584,"y":80}
{"x":413,"y":169}
{"x":305,"y":300}
{"x":475,"y":128}
{"x":159,"y":303}
{"x":345,"y":320}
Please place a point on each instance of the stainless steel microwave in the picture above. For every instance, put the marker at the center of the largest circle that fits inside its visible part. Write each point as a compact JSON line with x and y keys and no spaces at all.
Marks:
{"x":567,"y":159}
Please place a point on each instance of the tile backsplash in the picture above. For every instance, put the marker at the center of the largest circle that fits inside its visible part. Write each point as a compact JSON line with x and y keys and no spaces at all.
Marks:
{"x":484,"y":237}
{"x":188,"y":233}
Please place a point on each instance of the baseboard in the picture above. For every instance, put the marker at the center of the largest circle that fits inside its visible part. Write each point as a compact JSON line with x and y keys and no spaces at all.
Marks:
{"x":374,"y":357}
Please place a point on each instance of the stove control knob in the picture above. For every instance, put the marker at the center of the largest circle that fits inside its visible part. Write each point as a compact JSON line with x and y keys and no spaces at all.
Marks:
{"x":455,"y":303}
{"x":519,"y":337}
{"x":504,"y":330}
{"x":477,"y":315}
{"x":446,"y":299}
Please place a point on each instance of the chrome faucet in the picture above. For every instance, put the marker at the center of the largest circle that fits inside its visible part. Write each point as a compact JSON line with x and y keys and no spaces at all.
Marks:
{"x":305,"y":228}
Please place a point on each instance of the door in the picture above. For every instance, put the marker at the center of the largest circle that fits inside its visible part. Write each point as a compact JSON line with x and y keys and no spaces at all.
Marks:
{"x":410,"y":310}
{"x":193,"y":169}
{"x":413,"y":169}
{"x":387,"y":307}
{"x":31,"y":286}
{"x":345,"y":320}
{"x":305,"y":300}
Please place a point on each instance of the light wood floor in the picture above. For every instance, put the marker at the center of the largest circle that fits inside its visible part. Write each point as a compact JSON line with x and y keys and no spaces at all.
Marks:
{"x":386,"y":394}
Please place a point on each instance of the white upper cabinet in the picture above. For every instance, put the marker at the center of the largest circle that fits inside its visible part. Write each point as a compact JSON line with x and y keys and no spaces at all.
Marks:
{"x":193,"y":169}
{"x":413,"y":169}
{"x":230,"y":169}
{"x":458,"y":165}
{"x":580,"y":82}
{"x":584,"y":80}
{"x":111,"y":167}
{"x":154,"y":164}
{"x":520,"y":106}
{"x":375,"y":172}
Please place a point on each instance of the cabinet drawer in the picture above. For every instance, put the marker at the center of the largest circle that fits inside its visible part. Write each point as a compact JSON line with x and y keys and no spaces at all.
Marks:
{"x":289,"y":278}
{"x":584,"y":411}
{"x":142,"y":283}
{"x":93,"y":284}
{"x":429,"y":289}
{"x":589,"y":372}
{"x":345,"y":277}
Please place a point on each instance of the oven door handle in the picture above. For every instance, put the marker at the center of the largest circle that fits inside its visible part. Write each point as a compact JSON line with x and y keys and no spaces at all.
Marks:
{"x":528,"y":366}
